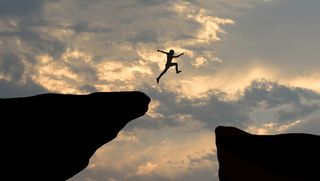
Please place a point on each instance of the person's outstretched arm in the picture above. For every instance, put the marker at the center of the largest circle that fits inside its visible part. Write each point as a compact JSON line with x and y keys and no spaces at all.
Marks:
{"x":162,"y":51}
{"x":177,"y":55}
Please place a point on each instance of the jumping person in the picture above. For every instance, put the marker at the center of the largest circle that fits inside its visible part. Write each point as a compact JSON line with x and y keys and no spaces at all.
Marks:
{"x":170,"y":56}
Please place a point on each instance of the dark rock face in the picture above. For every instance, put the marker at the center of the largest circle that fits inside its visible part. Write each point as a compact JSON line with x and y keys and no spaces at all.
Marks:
{"x":53,"y":136}
{"x":285,"y":157}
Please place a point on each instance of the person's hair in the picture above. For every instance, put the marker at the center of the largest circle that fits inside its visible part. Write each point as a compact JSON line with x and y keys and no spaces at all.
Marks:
{"x":171,"y":52}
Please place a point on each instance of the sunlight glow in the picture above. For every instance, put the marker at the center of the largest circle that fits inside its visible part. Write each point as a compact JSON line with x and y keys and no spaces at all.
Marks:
{"x":159,"y":160}
{"x":273,"y":128}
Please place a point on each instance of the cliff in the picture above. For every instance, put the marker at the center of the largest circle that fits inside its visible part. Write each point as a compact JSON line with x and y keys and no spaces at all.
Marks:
{"x":53,"y":136}
{"x":285,"y":157}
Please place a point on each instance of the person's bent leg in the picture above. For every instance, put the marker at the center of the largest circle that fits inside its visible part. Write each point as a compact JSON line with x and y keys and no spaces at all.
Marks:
{"x":176,"y":65}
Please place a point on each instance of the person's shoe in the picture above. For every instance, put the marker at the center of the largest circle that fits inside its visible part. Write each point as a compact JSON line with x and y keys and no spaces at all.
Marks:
{"x":179,"y":71}
{"x":157,"y":80}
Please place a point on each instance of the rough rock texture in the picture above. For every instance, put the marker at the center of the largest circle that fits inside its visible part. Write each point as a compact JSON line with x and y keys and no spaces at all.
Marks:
{"x":243,"y":156}
{"x":53,"y":136}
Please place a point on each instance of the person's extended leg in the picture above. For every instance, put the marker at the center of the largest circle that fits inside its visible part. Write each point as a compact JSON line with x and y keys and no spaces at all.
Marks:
{"x":163,"y":72}
{"x":176,"y":65}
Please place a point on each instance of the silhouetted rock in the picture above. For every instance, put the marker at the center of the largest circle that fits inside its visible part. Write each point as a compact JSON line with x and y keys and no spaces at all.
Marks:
{"x":243,"y":156}
{"x":53,"y":136}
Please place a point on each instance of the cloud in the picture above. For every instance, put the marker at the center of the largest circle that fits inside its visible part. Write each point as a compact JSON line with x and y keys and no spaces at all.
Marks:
{"x":143,"y":160}
{"x":10,"y":89}
{"x":273,"y":128}
{"x":67,"y":28}
{"x":11,"y":67}
{"x":243,"y":67}
{"x":19,"y":8}
{"x":146,"y":168}
{"x":180,"y":142}
{"x":284,"y":39}
{"x":262,"y":104}
{"x":64,"y":50}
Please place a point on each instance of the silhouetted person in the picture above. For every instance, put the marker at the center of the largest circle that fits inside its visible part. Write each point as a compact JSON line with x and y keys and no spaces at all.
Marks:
{"x":170,"y":56}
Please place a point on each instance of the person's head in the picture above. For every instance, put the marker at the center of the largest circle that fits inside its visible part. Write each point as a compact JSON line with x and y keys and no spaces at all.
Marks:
{"x":171,"y":52}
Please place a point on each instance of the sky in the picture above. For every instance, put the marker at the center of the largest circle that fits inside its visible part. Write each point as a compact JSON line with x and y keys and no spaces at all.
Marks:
{"x":252,"y":64}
